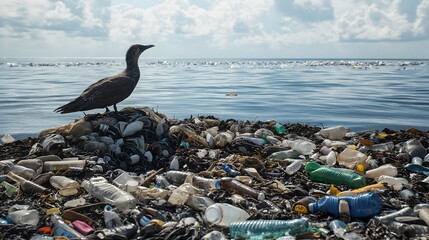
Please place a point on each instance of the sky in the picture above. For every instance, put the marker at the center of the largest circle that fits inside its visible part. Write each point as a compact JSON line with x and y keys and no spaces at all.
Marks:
{"x":216,"y":28}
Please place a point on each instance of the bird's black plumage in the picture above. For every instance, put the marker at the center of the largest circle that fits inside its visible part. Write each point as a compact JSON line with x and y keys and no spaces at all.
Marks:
{"x":110,"y":90}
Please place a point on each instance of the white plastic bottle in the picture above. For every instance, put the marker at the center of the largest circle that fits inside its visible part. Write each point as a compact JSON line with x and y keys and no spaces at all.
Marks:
{"x":386,"y":169}
{"x":223,"y":214}
{"x":101,"y":189}
{"x":294,"y":167}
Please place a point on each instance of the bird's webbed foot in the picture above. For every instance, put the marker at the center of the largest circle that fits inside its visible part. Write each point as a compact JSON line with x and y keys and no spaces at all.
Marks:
{"x":118,"y":115}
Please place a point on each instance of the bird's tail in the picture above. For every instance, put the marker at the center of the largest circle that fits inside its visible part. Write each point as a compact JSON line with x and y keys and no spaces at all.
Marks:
{"x":74,"y":106}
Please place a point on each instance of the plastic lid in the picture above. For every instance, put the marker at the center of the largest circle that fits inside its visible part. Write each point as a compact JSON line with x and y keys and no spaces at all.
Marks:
{"x":213,"y":214}
{"x":261,"y":196}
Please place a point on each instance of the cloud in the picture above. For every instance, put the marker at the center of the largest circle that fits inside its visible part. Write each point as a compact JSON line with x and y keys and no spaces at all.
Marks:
{"x":219,"y":24}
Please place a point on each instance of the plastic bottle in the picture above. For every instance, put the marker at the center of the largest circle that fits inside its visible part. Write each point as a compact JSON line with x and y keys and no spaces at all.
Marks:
{"x":285,"y":154}
{"x":414,"y":148}
{"x":62,"y":165}
{"x":361,"y":190}
{"x":228,"y":183}
{"x":35,"y":164}
{"x":362,"y":205}
{"x":26,"y":185}
{"x":302,"y":146}
{"x":229,"y":171}
{"x":424,"y":214}
{"x":331,"y":175}
{"x":396,"y":183}
{"x":349,"y":158}
{"x":293,"y":167}
{"x":382,"y":147}
{"x":11,"y":190}
{"x":279,"y":129}
{"x":391,"y":216}
{"x":386,"y":169}
{"x":417,"y":168}
{"x":223,"y":214}
{"x":99,"y":187}
{"x":128,"y":231}
{"x":199,"y":203}
{"x":62,"y":229}
{"x":82,"y":227}
{"x":331,"y":158}
{"x":66,"y":185}
{"x":24,"y":172}
{"x":267,"y":229}
{"x":111,"y":218}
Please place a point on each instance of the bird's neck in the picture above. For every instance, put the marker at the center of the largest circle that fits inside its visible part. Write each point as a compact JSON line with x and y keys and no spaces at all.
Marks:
{"x":133,"y":70}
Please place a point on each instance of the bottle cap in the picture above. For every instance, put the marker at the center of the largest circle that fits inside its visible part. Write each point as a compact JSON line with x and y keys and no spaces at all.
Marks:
{"x":213,"y":214}
{"x":311,"y":207}
{"x":261,"y":196}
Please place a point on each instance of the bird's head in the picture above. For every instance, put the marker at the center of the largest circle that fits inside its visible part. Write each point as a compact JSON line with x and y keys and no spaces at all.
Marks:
{"x":135,"y":50}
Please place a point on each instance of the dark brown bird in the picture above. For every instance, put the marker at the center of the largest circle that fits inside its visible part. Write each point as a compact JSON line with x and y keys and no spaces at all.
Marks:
{"x":111,"y":90}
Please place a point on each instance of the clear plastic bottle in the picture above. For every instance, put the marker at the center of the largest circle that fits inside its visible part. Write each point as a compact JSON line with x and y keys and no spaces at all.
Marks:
{"x":62,"y":165}
{"x":334,"y":133}
{"x":228,"y":183}
{"x":386,"y":169}
{"x":35,"y":164}
{"x":332,"y":175}
{"x":111,"y":218}
{"x":62,"y":229}
{"x":61,"y":182}
{"x":128,"y":231}
{"x":302,"y":146}
{"x":382,"y":147}
{"x":285,"y":154}
{"x":24,"y":172}
{"x":267,"y":229}
{"x":22,"y":214}
{"x":391,"y":216}
{"x":293,"y":167}
{"x":331,"y":158}
{"x":223,"y":214}
{"x":349,"y":158}
{"x":99,"y":187}
{"x":362,"y":205}
{"x":338,"y":227}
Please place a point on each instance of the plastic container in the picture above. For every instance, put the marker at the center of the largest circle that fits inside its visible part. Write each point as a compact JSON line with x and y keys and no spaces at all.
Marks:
{"x":223,"y":214}
{"x":417,"y":168}
{"x":11,"y":190}
{"x":362,"y":205}
{"x":199,"y":203}
{"x":26,"y":185}
{"x":396,"y":183}
{"x":22,"y":214}
{"x":228,"y":183}
{"x":179,"y":177}
{"x":229,"y":171}
{"x":349,"y":158}
{"x":285,"y":154}
{"x":331,"y":175}
{"x":387,"y":170}
{"x":62,"y":165}
{"x":267,"y":229}
{"x":424,"y":214}
{"x":62,"y":229}
{"x":111,"y":218}
{"x":414,"y":148}
{"x":294,"y":167}
{"x":67,"y":186}
{"x":82,"y":227}
{"x":99,"y":187}
{"x":331,"y":158}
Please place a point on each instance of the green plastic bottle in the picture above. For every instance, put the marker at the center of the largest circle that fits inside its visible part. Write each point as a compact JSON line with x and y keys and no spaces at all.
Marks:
{"x":331,"y":175}
{"x":279,"y":129}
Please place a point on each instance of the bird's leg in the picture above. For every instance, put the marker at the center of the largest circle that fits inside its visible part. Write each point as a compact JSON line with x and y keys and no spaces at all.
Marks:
{"x":118,"y":115}
{"x":107,"y":110}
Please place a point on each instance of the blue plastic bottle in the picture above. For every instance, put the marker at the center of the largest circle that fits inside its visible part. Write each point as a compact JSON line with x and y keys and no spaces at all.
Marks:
{"x":231,"y":172}
{"x":362,"y":205}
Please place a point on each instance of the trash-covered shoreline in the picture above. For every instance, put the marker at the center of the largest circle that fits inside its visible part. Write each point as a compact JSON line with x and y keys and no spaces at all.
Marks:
{"x":142,"y":175}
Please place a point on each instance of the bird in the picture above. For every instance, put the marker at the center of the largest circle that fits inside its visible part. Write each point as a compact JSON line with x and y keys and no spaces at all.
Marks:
{"x":110,"y":90}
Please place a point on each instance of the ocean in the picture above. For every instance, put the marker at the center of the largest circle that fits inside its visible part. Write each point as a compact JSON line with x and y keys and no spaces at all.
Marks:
{"x":359,"y":94}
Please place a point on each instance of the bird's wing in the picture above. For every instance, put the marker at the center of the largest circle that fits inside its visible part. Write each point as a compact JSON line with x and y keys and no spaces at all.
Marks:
{"x":109,"y":91}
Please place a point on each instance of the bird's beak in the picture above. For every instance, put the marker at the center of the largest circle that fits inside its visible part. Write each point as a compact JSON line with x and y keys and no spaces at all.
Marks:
{"x":147,"y":47}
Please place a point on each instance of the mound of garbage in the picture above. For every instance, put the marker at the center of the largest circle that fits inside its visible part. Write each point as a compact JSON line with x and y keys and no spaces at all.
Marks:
{"x":141,"y":175}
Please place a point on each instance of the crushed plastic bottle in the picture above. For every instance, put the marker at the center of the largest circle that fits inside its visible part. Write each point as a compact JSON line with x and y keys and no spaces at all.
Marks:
{"x":387,"y":170}
{"x":349,"y":158}
{"x":101,"y":189}
{"x":223,"y":214}
{"x":302,"y":146}
{"x":334,"y":133}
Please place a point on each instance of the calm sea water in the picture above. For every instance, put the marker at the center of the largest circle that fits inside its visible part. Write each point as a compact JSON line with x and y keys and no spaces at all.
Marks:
{"x":360,"y":94}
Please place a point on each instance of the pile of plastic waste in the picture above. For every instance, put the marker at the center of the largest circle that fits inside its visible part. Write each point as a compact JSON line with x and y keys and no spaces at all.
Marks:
{"x":142,"y":175}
